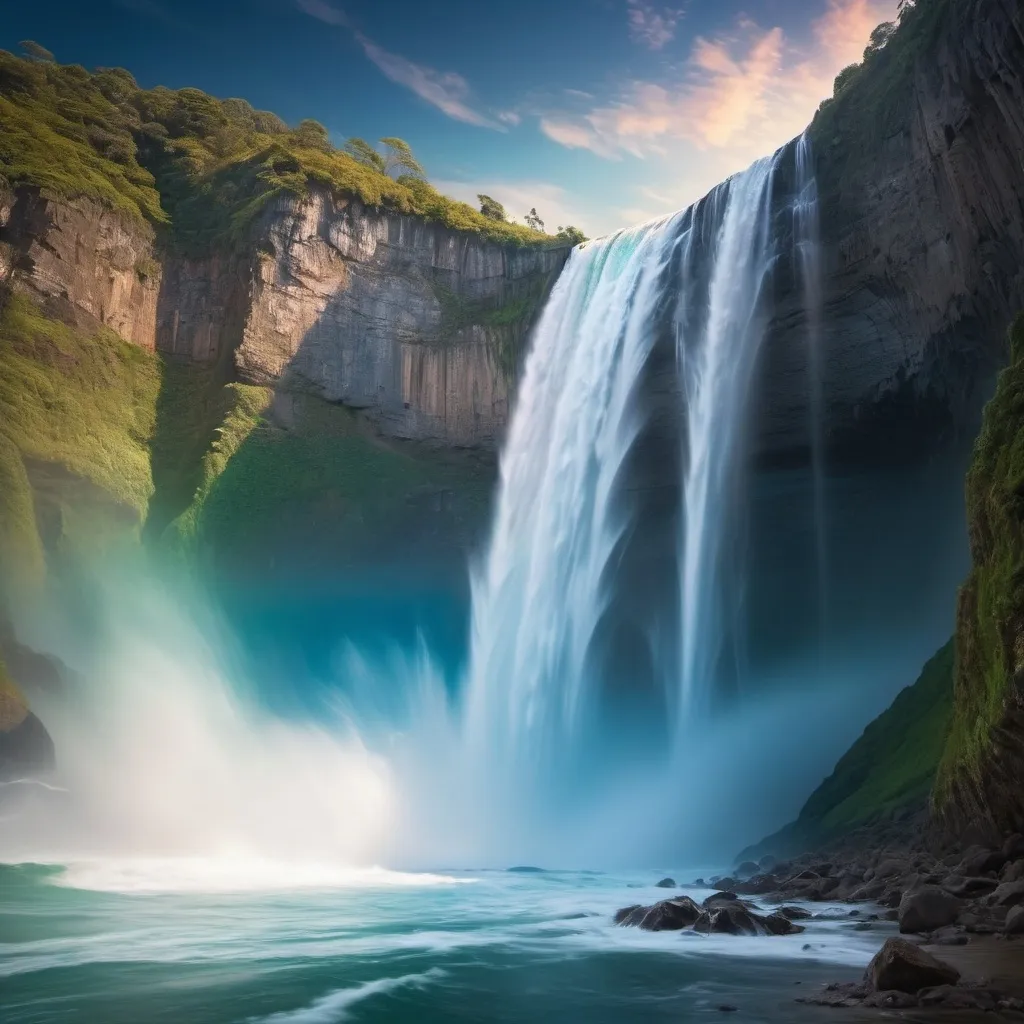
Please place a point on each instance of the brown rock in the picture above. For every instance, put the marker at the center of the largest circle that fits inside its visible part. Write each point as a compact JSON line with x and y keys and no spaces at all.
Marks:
{"x":924,"y":910}
{"x":901,"y":966}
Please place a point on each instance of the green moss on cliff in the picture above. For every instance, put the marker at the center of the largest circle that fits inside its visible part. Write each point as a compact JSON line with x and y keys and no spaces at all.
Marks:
{"x":13,"y":706}
{"x":990,"y":618}
{"x":200,"y":167}
{"x":85,"y":401}
{"x":266,"y":488}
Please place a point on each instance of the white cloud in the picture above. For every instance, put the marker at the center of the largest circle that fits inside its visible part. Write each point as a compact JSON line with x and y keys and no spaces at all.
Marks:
{"x":554,"y":204}
{"x":510,"y":117}
{"x":446,"y":90}
{"x":323,"y":11}
{"x":652,"y":26}
{"x":748,"y":90}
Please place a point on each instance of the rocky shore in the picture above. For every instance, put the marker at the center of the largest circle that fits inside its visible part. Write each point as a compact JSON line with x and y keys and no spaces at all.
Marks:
{"x":958,"y":907}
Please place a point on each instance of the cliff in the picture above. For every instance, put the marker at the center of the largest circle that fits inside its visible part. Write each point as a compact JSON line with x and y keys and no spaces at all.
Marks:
{"x":918,"y":160}
{"x":983,"y":762}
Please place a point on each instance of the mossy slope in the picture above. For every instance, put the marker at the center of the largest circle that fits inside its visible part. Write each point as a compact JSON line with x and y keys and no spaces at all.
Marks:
{"x":980,"y":774}
{"x":890,"y":767}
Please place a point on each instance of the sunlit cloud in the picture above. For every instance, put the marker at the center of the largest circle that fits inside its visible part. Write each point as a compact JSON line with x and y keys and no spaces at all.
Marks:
{"x":650,"y":25}
{"x":750,"y":88}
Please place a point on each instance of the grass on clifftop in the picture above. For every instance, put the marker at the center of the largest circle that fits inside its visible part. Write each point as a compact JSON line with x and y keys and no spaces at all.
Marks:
{"x":200,"y":167}
{"x":990,"y":614}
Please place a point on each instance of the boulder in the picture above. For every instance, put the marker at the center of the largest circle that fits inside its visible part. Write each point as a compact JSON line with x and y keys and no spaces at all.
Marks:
{"x":665,"y":916}
{"x":1013,"y":871}
{"x":890,"y":868}
{"x":924,"y":910}
{"x":665,"y":883}
{"x":734,"y":920}
{"x":720,"y":899}
{"x":779,"y":924}
{"x":767,"y":862}
{"x":960,"y":886}
{"x":747,"y":869}
{"x":903,"y":967}
{"x":1007,"y":894}
{"x":1014,"y":921}
{"x":794,"y":913}
{"x":978,"y":860}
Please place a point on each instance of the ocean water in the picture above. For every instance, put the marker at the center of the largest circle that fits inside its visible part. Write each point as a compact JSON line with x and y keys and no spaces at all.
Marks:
{"x":212,"y":941}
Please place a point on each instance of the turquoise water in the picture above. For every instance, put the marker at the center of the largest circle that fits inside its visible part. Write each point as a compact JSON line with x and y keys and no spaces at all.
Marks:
{"x":163,"y":942}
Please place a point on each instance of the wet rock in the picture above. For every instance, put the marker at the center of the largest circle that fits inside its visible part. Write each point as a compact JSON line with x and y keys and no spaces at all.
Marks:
{"x":1013,"y":847}
{"x":890,"y":868}
{"x":924,"y":910}
{"x":951,"y":935}
{"x":734,"y":920}
{"x":871,"y":891}
{"x":719,"y":899}
{"x":794,"y":913}
{"x":1013,"y":871}
{"x":779,"y":924}
{"x":665,"y":883}
{"x":901,"y":966}
{"x":1014,"y":921}
{"x":1007,"y":894}
{"x":950,"y":997}
{"x":978,"y":860}
{"x":747,"y":869}
{"x":894,"y":1000}
{"x":665,"y":916}
{"x":725,"y":884}
{"x":767,"y":862}
{"x":966,"y":887}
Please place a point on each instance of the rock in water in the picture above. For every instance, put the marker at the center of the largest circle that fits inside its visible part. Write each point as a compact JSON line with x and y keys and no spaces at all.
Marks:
{"x":668,"y":915}
{"x":924,"y":910}
{"x":665,"y":883}
{"x":734,"y":920}
{"x":904,"y":967}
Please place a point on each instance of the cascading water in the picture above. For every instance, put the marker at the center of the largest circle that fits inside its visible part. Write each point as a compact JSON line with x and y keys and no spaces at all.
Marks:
{"x":540,"y":593}
{"x":807,"y":233}
{"x":720,"y":327}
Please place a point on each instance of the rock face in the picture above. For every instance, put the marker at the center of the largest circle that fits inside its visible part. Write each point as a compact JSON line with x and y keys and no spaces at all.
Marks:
{"x":418,"y":325}
{"x":922,"y":213}
{"x":83,"y":260}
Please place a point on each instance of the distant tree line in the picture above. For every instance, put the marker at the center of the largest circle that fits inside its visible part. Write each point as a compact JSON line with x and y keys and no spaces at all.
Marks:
{"x":493,"y":210}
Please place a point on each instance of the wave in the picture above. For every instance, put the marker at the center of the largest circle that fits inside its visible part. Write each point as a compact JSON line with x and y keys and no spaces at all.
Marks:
{"x":333,"y":1007}
{"x":142,"y":876}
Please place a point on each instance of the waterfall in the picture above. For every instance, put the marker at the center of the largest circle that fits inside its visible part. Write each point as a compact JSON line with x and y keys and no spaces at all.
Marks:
{"x":539,"y":596}
{"x":540,"y":593}
{"x":720,"y":328}
{"x":807,"y":235}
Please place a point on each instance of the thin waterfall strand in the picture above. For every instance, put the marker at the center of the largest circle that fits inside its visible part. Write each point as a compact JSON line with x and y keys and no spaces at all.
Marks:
{"x":807,"y":234}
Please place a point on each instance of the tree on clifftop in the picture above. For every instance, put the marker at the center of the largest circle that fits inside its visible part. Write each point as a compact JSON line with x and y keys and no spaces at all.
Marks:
{"x":32,"y":49}
{"x":491,"y":208}
{"x":395,"y":159}
{"x":533,"y":220}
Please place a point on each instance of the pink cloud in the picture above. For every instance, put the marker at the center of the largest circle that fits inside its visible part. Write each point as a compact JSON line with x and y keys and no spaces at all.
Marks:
{"x":652,"y":26}
{"x":747,"y":90}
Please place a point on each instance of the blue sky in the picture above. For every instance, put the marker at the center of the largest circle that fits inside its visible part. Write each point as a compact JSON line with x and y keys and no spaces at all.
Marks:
{"x":600,"y":113}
